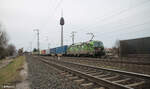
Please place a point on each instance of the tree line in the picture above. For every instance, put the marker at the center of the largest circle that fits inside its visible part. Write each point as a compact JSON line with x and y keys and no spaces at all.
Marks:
{"x":6,"y":49}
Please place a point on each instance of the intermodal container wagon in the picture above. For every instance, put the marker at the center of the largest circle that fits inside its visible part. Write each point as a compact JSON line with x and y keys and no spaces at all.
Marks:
{"x":47,"y":51}
{"x":43,"y":52}
{"x":53,"y":51}
{"x":61,"y":50}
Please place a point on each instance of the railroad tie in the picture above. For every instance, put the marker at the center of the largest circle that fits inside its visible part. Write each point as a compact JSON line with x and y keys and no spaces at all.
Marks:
{"x":122,"y":80}
{"x":111,"y":77}
{"x":87,"y":84}
{"x":88,"y":72}
{"x":69,"y":75}
{"x":103,"y":75}
{"x":100,"y":88}
{"x":63,"y":73}
{"x":79,"y":81}
{"x":72,"y":78}
{"x":136,"y":84}
{"x":94,"y":74}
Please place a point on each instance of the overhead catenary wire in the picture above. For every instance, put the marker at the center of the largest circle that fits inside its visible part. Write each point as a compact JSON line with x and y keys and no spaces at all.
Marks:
{"x":109,"y":35}
{"x":114,"y":15}
{"x":128,"y":27}
{"x":53,"y":13}
{"x":128,"y":33}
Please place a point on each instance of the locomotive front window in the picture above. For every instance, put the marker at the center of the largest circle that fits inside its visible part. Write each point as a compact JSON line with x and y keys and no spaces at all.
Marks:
{"x":97,"y":44}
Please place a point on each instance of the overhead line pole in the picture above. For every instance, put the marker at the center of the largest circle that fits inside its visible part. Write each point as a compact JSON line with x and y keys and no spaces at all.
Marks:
{"x":48,"y":44}
{"x":30,"y":46}
{"x":73,"y":34}
{"x":38,"y":42}
{"x":1,"y":33}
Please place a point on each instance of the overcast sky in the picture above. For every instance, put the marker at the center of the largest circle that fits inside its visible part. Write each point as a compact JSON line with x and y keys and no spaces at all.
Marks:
{"x":109,"y":20}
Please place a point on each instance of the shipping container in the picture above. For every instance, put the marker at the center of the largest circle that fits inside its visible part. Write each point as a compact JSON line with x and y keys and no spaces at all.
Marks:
{"x":47,"y":51}
{"x":61,"y":50}
{"x":43,"y":52}
{"x":40,"y":52}
{"x":53,"y":51}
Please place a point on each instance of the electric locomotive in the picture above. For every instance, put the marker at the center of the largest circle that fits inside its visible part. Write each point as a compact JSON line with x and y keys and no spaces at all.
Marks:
{"x":90,"y":48}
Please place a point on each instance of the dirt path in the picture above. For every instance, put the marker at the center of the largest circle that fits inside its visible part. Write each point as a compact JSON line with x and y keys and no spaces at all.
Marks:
{"x":24,"y":74}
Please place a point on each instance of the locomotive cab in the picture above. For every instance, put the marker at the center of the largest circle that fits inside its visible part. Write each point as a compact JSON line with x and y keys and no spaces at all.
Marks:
{"x":98,"y":48}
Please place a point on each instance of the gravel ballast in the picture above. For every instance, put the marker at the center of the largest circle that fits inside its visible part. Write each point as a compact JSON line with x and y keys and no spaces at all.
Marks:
{"x":43,"y":76}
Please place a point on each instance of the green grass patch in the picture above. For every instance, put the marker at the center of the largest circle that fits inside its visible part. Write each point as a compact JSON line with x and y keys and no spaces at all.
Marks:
{"x":10,"y":73}
{"x":1,"y":60}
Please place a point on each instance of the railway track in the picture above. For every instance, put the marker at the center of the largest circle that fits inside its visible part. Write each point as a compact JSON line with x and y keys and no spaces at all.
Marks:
{"x":126,"y":65}
{"x":100,"y":78}
{"x":131,"y":61}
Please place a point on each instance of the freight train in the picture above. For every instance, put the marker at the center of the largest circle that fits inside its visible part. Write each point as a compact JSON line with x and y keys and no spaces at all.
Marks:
{"x":90,"y":48}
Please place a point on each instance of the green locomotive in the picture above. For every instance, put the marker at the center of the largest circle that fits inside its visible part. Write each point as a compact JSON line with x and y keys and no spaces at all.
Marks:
{"x":90,"y":48}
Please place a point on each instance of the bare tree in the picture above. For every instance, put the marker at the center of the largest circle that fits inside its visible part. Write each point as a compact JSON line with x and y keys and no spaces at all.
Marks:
{"x":116,"y":47}
{"x":3,"y":42}
{"x":11,"y":49}
{"x":34,"y":50}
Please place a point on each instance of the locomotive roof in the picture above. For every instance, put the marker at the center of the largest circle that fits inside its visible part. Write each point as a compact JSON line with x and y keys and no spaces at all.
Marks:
{"x":80,"y":43}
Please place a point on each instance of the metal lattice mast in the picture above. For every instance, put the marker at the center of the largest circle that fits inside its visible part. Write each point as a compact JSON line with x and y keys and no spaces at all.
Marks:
{"x":73,"y":35}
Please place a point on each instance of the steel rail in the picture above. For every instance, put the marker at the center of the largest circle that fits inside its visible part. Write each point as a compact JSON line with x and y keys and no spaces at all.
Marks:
{"x":112,"y":61}
{"x":105,"y":83}
{"x":144,"y":77}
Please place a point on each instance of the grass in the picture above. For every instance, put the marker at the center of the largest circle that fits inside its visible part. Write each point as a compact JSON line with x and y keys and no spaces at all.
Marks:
{"x":10,"y":72}
{"x":1,"y":60}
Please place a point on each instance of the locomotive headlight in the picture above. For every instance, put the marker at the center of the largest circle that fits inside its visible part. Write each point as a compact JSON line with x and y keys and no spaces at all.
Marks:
{"x":97,"y":48}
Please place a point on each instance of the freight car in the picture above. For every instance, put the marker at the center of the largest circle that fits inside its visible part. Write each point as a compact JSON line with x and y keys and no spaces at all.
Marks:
{"x":60,"y":51}
{"x":43,"y":52}
{"x":47,"y":52}
{"x":53,"y":51}
{"x":90,"y":48}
